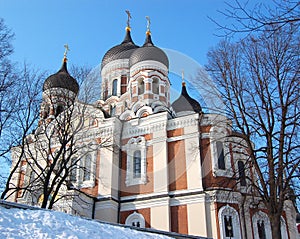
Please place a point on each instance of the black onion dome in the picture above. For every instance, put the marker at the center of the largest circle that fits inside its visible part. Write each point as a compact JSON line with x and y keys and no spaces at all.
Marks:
{"x":186,"y":103}
{"x":61,"y":79}
{"x":121,"y":51}
{"x":148,"y":52}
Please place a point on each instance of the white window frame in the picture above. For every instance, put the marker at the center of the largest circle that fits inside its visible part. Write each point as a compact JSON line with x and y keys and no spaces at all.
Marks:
{"x":80,"y":180}
{"x":133,"y":145}
{"x":226,"y":211}
{"x":258,"y":217}
{"x":217,"y":134}
{"x":135,"y":218}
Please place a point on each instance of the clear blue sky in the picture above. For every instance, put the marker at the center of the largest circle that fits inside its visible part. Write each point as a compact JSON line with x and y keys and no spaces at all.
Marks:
{"x":92,"y":27}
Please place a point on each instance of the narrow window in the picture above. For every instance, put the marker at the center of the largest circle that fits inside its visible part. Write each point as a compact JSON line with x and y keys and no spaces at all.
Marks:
{"x":220,"y":154}
{"x":228,"y":226}
{"x":123,"y":84}
{"x":137,"y":164}
{"x":115,"y":87}
{"x":59,"y":109}
{"x":105,"y":90}
{"x":87,"y":168}
{"x":112,"y":110}
{"x":242,"y":176}
{"x":155,"y":86}
{"x":141,"y":86}
{"x":73,"y":174}
{"x":261,"y":230}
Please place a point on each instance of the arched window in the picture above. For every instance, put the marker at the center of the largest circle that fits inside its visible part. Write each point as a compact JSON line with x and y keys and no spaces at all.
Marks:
{"x":220,"y":155}
{"x":137,"y":160}
{"x":87,"y":167}
{"x":229,"y":223}
{"x":136,"y":170}
{"x":135,"y":219}
{"x":59,"y":109}
{"x":112,"y":110}
{"x":115,"y":87}
{"x":73,"y":172}
{"x":155,"y":86}
{"x":123,"y":84}
{"x":242,"y":175}
{"x":141,"y":86}
{"x":261,"y":226}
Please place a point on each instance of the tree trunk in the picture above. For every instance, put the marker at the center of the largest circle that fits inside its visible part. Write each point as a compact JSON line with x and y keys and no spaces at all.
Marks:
{"x":275,"y":226}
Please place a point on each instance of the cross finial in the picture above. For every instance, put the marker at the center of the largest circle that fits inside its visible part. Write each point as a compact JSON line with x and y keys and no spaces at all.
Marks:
{"x":182,"y":77}
{"x":128,"y":18}
{"x":148,"y":23}
{"x":66,"y":46}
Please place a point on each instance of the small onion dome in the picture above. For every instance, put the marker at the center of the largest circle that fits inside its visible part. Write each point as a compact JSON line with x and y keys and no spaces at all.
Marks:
{"x":121,"y":51}
{"x":185,"y":102}
{"x":61,"y":79}
{"x":148,"y":52}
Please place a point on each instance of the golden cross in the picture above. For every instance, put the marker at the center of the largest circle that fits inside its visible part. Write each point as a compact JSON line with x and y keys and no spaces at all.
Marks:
{"x":129,"y":17}
{"x":66,"y":46}
{"x":148,"y":23}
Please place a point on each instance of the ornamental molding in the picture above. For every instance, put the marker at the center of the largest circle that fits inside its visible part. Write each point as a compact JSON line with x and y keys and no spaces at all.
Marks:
{"x":148,"y":65}
{"x":181,"y":122}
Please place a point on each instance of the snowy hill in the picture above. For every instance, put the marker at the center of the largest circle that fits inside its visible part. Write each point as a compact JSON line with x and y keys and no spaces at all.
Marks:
{"x":19,"y":223}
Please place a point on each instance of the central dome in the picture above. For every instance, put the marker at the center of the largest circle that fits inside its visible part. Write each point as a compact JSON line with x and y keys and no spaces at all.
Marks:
{"x":121,"y":51}
{"x":148,"y":52}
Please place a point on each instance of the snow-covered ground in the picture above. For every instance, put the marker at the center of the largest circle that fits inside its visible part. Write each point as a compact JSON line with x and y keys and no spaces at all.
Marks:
{"x":46,"y":224}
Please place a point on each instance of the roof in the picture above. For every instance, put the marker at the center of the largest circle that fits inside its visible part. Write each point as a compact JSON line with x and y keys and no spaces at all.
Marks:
{"x":61,"y":79}
{"x":186,"y":103}
{"x":148,"y":52}
{"x":121,"y":51}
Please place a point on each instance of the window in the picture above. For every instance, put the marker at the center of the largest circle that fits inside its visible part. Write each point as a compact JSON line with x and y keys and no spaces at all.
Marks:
{"x":105,"y":90}
{"x":59,"y":109}
{"x":123,"y":84}
{"x":87,"y":168}
{"x":141,"y":86}
{"x":136,"y":171}
{"x":242,"y":176}
{"x":220,"y":155}
{"x":137,"y":164}
{"x":229,"y":223}
{"x":73,"y":174}
{"x":228,"y":226}
{"x":261,"y":226}
{"x":112,"y":110}
{"x":135,"y":219}
{"x":115,"y":87}
{"x":155,"y":86}
{"x":261,"y":230}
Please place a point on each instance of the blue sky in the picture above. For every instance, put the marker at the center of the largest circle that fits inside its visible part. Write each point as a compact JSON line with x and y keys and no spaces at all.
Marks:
{"x":92,"y":27}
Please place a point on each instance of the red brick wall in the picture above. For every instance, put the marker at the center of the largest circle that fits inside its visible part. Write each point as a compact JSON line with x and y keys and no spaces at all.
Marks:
{"x":179,"y":221}
{"x":140,"y":188}
{"x":146,"y":212}
{"x":177,"y":165}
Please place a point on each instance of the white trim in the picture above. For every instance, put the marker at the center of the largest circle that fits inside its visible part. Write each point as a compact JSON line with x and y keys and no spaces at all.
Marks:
{"x":227,"y":211}
{"x":135,"y":218}
{"x":259,"y":217}
{"x":133,"y":145}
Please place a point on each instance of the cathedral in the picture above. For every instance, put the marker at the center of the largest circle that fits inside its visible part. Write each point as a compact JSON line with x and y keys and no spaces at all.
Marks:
{"x":148,"y":162}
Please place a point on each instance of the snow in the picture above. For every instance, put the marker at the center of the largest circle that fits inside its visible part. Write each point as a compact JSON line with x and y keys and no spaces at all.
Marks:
{"x":46,"y":224}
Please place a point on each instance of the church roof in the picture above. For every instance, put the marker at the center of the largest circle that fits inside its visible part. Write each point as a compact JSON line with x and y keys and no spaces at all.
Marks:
{"x":61,"y":79}
{"x":185,"y":102}
{"x":121,"y":51}
{"x":148,"y":52}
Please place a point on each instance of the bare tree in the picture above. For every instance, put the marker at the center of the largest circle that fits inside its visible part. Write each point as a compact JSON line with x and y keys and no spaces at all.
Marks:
{"x":258,"y":80}
{"x":53,"y":164}
{"x":247,"y":19}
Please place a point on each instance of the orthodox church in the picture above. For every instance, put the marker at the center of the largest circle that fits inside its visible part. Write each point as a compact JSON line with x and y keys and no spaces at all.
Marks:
{"x":167,"y":166}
